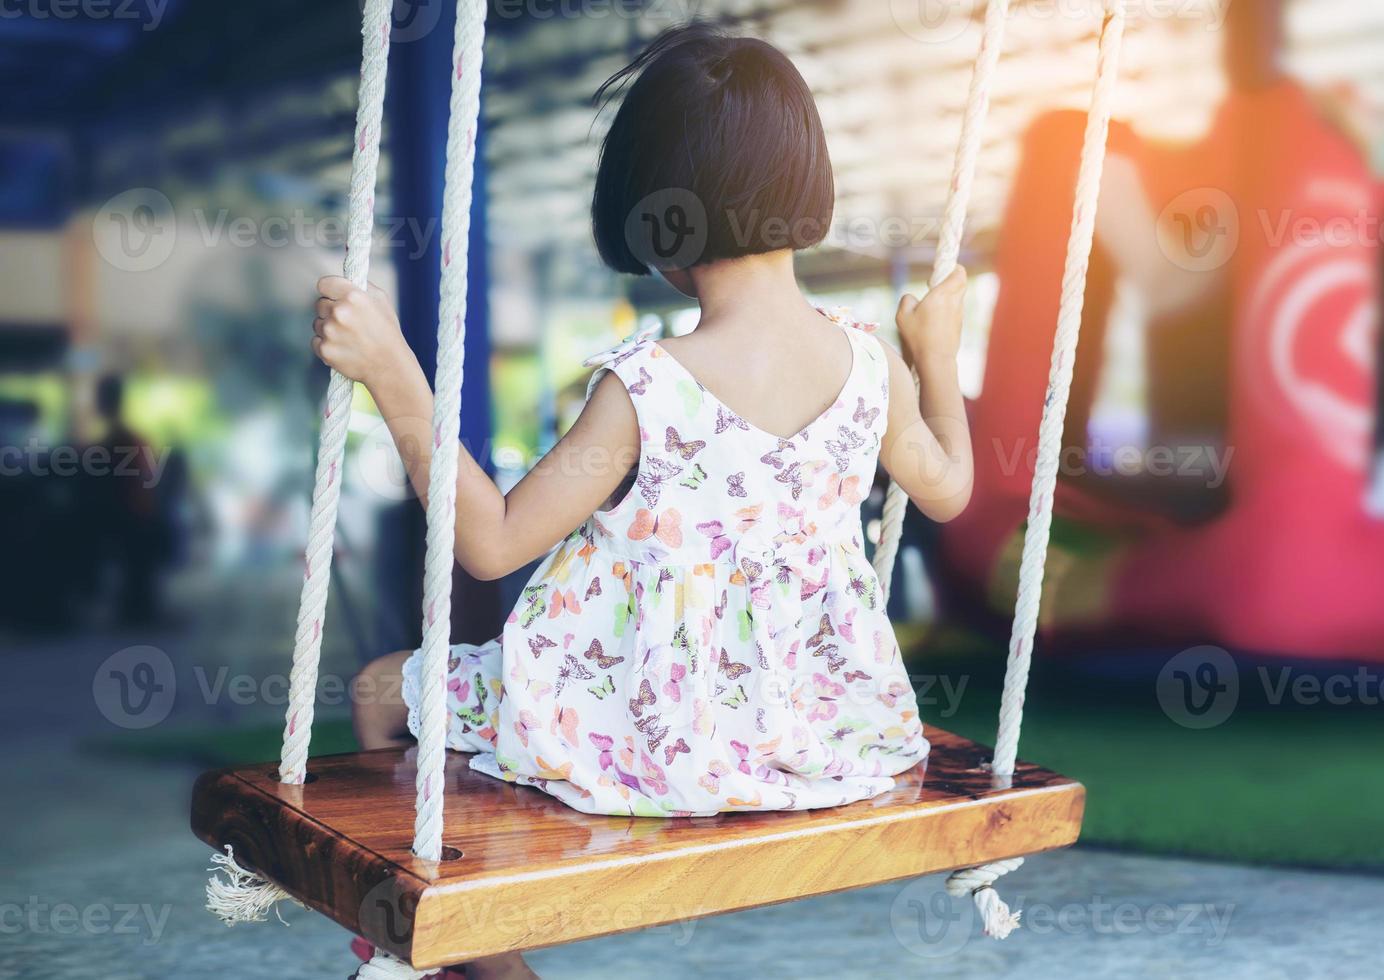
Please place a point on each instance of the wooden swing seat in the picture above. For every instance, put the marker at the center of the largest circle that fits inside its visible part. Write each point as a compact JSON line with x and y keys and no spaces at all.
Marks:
{"x":523,"y":870}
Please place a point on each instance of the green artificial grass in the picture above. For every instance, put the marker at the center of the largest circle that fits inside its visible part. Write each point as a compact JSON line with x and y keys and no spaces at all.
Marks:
{"x":220,"y":748}
{"x":1270,"y":785}
{"x":1265,"y":788}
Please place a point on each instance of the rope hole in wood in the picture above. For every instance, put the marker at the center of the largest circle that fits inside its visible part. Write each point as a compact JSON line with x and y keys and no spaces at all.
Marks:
{"x":307,"y":778}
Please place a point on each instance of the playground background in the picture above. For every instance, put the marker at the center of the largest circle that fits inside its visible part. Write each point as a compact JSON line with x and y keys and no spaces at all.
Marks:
{"x":172,"y":181}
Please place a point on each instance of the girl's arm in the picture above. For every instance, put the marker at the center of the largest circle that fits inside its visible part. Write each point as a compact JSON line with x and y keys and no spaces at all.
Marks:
{"x":357,"y":333}
{"x":927,"y":446}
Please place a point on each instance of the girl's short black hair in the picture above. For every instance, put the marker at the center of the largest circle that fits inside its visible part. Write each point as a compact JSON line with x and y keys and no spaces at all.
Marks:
{"x":716,"y":152}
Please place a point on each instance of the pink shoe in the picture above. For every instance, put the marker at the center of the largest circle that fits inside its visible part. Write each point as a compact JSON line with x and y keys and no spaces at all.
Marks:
{"x":365,"y":951}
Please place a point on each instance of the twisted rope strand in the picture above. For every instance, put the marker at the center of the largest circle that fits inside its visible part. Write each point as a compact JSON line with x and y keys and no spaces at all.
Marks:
{"x":383,"y":966}
{"x":326,"y":490}
{"x":949,"y":245}
{"x":442,"y":480}
{"x":979,"y":882}
{"x":1059,"y":387}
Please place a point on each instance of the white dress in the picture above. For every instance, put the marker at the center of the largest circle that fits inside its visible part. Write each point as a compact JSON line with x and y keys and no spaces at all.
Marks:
{"x":716,"y":639}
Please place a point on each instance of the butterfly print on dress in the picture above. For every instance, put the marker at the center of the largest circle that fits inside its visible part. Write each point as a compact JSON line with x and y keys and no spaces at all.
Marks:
{"x":862,"y":415}
{"x":737,"y":698}
{"x":666,"y":527}
{"x":673,"y":443}
{"x":720,"y":542}
{"x":840,"y":487}
{"x":652,"y":731}
{"x":597,"y":653}
{"x":732,"y":670}
{"x":823,"y":631}
{"x":845,"y":444}
{"x":563,"y":601}
{"x":695,"y":479}
{"x":670,"y":752}
{"x":534,"y":604}
{"x":641,"y":386}
{"x":570,"y":670}
{"x":774,"y":458}
{"x":726,"y":420}
{"x":862,"y":586}
{"x":653,"y":474}
{"x":644,"y":699}
{"x":683,"y":643}
{"x":792,"y":476}
{"x":835,"y":659}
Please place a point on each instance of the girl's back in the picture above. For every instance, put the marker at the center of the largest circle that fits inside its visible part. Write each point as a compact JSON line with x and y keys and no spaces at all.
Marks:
{"x":715,"y":639}
{"x":778,"y":369}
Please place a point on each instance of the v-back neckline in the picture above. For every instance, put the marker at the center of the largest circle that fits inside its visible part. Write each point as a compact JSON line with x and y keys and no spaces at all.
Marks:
{"x":804,"y":429}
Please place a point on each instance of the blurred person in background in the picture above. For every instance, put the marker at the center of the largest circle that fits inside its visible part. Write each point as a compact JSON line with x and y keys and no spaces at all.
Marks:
{"x":135,"y":505}
{"x":1255,"y":254}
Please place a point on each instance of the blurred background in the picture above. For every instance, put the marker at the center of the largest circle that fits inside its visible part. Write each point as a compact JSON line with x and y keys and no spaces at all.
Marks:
{"x":173,"y":178}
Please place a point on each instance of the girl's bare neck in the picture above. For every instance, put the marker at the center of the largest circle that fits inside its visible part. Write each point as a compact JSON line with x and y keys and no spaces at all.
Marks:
{"x":759,"y":289}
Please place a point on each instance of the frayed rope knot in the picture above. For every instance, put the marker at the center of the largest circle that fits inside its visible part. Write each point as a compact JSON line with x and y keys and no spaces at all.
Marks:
{"x":979,"y":883}
{"x":382,"y":966}
{"x":242,"y":896}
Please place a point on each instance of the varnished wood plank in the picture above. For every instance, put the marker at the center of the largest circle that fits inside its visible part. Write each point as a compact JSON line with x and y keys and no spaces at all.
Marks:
{"x":533,"y":872}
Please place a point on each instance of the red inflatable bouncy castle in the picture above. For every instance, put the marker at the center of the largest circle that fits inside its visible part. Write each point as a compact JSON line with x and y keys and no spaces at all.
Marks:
{"x":1286,"y":349}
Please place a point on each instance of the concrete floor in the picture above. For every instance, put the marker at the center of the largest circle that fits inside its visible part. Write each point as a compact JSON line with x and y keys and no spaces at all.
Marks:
{"x":100,"y":878}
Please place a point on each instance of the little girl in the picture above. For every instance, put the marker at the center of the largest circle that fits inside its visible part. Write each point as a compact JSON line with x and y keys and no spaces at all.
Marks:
{"x":706,"y":634}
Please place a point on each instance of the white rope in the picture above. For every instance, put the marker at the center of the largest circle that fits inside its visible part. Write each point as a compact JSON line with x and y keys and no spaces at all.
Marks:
{"x":442,"y":480}
{"x":242,"y":895}
{"x":949,"y":245}
{"x":979,"y":884}
{"x":383,"y":966}
{"x":1059,"y":386}
{"x":326,"y":491}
